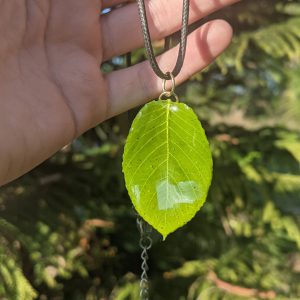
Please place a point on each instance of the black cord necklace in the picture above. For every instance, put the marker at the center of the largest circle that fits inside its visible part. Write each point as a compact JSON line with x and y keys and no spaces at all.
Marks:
{"x":167,"y":162}
{"x":148,"y":43}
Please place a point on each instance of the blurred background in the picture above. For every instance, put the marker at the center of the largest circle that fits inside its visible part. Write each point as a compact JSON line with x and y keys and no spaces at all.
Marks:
{"x":68,"y":231}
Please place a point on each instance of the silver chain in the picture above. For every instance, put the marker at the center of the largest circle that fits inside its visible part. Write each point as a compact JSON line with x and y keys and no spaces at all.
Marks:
{"x":145,"y":244}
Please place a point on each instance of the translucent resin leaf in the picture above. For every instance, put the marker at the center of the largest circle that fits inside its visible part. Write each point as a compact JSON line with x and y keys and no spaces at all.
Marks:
{"x":167,"y":165}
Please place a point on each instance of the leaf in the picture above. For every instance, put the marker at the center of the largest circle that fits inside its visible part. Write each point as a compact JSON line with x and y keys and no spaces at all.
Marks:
{"x":167,"y":165}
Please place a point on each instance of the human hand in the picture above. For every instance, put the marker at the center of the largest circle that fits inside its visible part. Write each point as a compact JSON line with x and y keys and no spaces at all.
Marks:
{"x":51,"y":87}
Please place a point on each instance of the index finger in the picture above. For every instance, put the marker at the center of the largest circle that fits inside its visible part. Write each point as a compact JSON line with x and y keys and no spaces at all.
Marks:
{"x":121,"y":27}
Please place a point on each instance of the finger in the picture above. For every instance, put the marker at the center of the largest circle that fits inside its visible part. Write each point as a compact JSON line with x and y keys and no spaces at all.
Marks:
{"x":131,"y":87}
{"x":121,"y":28}
{"x":112,"y":3}
{"x":76,"y":22}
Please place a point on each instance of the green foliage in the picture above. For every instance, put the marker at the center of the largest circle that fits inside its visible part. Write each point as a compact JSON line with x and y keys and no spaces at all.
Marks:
{"x":167,"y":165}
{"x":68,"y":227}
{"x":279,"y":41}
{"x":264,"y":237}
{"x":14,"y":283}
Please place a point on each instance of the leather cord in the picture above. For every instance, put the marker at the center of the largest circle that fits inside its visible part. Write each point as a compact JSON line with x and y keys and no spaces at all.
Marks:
{"x":149,"y":47}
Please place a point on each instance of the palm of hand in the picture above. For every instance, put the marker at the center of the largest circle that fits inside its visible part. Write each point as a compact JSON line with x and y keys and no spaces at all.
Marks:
{"x":61,"y":59}
{"x":55,"y":90}
{"x":51,"y":87}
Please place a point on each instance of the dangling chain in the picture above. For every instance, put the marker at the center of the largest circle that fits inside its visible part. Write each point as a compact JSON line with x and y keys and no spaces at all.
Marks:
{"x":145,"y":244}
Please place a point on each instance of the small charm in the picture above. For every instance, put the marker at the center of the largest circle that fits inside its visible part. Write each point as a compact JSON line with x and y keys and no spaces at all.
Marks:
{"x":167,"y":164}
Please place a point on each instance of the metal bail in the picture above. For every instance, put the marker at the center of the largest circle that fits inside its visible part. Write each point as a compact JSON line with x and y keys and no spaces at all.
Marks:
{"x":169,"y":93}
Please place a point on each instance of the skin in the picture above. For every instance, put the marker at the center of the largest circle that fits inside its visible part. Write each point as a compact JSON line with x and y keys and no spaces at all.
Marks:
{"x":51,"y":89}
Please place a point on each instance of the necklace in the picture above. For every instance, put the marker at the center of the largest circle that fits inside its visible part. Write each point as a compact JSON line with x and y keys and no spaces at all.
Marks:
{"x":149,"y":47}
{"x":167,"y":161}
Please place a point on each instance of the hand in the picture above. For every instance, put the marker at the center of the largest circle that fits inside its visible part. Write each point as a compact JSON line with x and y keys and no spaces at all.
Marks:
{"x":51,"y":89}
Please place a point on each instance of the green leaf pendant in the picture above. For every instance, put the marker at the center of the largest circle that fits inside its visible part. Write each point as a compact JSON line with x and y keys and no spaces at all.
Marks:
{"x":167,"y":165}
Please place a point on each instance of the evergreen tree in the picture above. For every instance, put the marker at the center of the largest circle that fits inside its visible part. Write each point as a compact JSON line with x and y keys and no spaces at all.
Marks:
{"x":67,"y":229}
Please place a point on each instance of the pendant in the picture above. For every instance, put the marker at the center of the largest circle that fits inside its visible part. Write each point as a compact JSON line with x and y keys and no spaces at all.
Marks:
{"x":167,"y":164}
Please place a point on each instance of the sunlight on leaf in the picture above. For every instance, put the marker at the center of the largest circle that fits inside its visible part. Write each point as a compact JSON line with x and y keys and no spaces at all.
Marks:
{"x":167,"y":165}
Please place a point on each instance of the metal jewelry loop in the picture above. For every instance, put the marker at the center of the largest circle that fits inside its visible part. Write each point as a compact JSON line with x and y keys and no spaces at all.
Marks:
{"x":146,"y":243}
{"x":164,"y":83}
{"x":169,"y":93}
